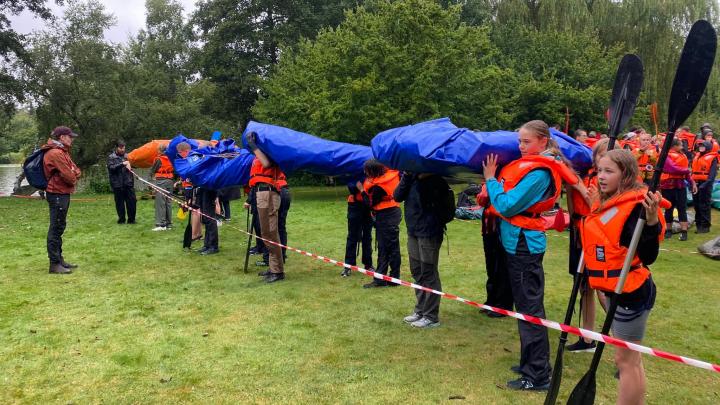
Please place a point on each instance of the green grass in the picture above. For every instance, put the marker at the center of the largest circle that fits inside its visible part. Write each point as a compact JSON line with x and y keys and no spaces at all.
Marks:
{"x":143,"y":322}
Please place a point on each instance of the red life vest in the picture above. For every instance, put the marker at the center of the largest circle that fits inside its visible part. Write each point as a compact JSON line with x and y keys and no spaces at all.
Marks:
{"x":643,"y":157}
{"x":270,"y":176}
{"x":580,"y":207}
{"x":680,"y":160}
{"x":166,"y":168}
{"x":388,"y":182}
{"x":701,"y":165}
{"x":604,"y":256}
{"x":715,"y":147}
{"x":511,"y":175}
{"x":688,"y":137}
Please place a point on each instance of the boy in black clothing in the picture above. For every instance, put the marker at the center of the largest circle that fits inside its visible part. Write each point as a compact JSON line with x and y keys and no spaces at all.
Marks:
{"x":360,"y":223}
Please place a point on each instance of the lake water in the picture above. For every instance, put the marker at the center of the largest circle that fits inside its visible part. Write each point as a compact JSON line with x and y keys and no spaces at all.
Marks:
{"x":8,"y":174}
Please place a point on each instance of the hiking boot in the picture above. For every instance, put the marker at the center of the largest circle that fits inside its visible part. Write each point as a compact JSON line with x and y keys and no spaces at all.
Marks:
{"x":57,"y":268}
{"x":68,"y":265}
{"x":683,"y":236}
{"x":273,"y":277}
{"x":373,"y":284}
{"x":264,"y":273}
{"x":345,"y":273}
{"x":581,"y":347}
{"x":425,"y":323}
{"x":412,"y":318}
{"x":524,"y":384}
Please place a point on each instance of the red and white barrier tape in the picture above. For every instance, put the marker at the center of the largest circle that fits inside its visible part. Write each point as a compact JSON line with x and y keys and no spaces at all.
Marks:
{"x":527,"y":318}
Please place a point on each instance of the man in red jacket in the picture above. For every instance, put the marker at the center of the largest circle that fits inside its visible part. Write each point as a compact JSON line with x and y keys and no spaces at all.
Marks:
{"x":62,"y":175}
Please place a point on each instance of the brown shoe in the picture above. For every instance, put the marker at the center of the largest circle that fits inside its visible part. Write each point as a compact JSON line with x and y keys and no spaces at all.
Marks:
{"x":68,"y":265}
{"x":57,"y":268}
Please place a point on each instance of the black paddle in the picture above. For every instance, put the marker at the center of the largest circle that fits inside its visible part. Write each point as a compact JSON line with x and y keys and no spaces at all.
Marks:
{"x":691,"y":78}
{"x":628,"y":82}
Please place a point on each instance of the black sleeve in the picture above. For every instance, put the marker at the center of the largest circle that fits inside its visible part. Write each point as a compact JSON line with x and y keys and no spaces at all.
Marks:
{"x":114,"y":162}
{"x":352,"y":189}
{"x":432,"y":190}
{"x":713,"y":173}
{"x":649,"y":245}
{"x":156,"y":165}
{"x":403,"y":189}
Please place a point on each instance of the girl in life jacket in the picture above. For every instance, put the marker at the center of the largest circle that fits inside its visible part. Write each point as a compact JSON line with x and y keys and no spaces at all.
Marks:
{"x":704,"y":173}
{"x":377,"y":193}
{"x":675,"y":176}
{"x":606,"y":233}
{"x":523,"y":190}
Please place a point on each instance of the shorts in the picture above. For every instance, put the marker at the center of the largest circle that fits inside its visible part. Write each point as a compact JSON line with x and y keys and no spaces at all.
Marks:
{"x":630,"y":324}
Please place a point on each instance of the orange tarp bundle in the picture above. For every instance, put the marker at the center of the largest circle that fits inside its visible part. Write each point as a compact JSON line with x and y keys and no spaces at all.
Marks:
{"x":144,"y":156}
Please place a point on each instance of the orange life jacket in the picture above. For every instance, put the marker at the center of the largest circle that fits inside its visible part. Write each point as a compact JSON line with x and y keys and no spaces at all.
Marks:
{"x":604,"y":256}
{"x":688,"y":137}
{"x":166,"y":168}
{"x":643,"y":158}
{"x":715,"y":147}
{"x":580,"y":207}
{"x":282,"y":179}
{"x":511,"y":175}
{"x":186,"y":184}
{"x":259,"y":174}
{"x":355,"y":198}
{"x":388,"y":182}
{"x":680,"y":160}
{"x":701,"y":166}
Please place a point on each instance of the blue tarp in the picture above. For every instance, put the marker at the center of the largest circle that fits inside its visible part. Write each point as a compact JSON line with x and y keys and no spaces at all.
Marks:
{"x":438,"y":146}
{"x":215,"y":167}
{"x":297,"y":151}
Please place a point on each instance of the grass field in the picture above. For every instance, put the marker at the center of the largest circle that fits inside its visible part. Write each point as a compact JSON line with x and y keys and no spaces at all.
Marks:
{"x":141,"y":321}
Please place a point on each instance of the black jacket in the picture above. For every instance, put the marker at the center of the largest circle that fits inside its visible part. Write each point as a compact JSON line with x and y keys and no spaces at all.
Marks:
{"x":119,"y":175}
{"x":421,"y":196}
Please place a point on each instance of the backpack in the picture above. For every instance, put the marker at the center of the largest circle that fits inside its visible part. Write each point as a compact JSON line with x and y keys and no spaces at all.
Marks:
{"x":33,"y":169}
{"x":445,"y":206}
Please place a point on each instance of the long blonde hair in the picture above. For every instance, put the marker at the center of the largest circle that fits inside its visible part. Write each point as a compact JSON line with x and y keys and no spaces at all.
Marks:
{"x":627,"y":164}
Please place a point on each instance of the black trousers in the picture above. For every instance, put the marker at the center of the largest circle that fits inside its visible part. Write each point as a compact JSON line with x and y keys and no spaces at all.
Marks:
{"x":528,"y":288}
{"x":360,"y":224}
{"x":702,"y":200}
{"x":207,"y":206}
{"x":499,"y":293}
{"x":678,"y":199}
{"x":259,"y":244}
{"x":285,"y":200}
{"x":125,"y":199}
{"x":387,"y":233}
{"x":424,"y":255}
{"x":59,"y":205}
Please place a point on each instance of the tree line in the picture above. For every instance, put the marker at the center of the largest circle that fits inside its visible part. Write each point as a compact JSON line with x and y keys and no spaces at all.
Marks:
{"x":341,"y":69}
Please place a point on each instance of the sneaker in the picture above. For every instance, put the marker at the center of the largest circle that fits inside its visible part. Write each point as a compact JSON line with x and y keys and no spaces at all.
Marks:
{"x":683,"y":236}
{"x":264,"y":273}
{"x":255,"y":251}
{"x":345,"y":273}
{"x":159,"y":228}
{"x":273,"y":277}
{"x":581,"y":347}
{"x":491,"y":314}
{"x":261,"y":263}
{"x":425,"y":323}
{"x":210,"y":251}
{"x":121,"y":221}
{"x":524,"y":384}
{"x":412,"y":318}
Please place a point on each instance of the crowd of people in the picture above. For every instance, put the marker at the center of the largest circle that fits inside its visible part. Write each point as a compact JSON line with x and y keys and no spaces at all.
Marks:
{"x":605,"y":204}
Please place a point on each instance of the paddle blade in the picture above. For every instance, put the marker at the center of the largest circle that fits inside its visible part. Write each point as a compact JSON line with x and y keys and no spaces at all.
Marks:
{"x":556,"y":378}
{"x":584,"y":392}
{"x":693,"y":72}
{"x":626,"y":90}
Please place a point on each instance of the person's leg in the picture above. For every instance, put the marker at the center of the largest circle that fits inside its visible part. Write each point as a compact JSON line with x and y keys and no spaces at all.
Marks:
{"x":268,"y":203}
{"x":259,"y":244}
{"x":159,"y":205}
{"x":528,"y":287}
{"x":381,"y":236}
{"x":366,"y":238}
{"x":353,"y":235}
{"x":429,"y":249}
{"x":119,"y":204}
{"x":631,"y":388}
{"x":413,"y":248}
{"x":285,"y":200}
{"x":681,"y":201}
{"x":393,"y":241}
{"x":226,"y":208}
{"x":211,"y":228}
{"x":670,"y":196}
{"x":58,"y":205}
{"x":168,"y":186}
{"x":131,"y":202}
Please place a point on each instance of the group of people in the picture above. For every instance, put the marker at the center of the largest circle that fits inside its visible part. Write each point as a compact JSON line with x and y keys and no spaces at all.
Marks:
{"x":605,"y":206}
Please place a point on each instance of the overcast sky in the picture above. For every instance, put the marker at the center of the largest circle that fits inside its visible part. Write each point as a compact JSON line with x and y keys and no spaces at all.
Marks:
{"x":130,"y":16}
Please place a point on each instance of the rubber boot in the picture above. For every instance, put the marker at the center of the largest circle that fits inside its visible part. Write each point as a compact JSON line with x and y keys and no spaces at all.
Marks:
{"x":57,"y":268}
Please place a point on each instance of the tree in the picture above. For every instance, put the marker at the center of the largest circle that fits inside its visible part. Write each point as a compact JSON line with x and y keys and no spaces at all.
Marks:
{"x":389,"y":64}
{"x":242,"y":41}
